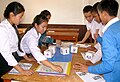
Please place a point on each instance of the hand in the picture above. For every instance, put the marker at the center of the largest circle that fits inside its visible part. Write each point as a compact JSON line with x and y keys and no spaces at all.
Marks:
{"x":96,"y":36}
{"x":57,"y":68}
{"x":81,"y":67}
{"x":91,"y":48}
{"x":27,"y":72}
{"x":58,"y":42}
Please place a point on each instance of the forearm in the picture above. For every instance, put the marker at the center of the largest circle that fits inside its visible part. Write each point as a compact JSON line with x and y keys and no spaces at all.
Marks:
{"x":86,"y":36}
{"x":47,"y":63}
{"x":18,"y":68}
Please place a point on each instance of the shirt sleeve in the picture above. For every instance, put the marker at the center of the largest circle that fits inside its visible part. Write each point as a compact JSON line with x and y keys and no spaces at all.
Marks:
{"x":97,"y":25}
{"x":109,"y":55}
{"x":33,"y":46}
{"x":99,"y":39}
{"x":5,"y":48}
{"x":88,"y":26}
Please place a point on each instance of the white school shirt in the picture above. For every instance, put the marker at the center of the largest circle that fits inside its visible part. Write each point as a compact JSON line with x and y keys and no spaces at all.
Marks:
{"x":29,"y":44}
{"x":92,"y":26}
{"x":8,"y":42}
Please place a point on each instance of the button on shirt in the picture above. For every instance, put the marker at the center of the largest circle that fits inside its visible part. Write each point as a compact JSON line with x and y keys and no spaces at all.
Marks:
{"x":8,"y":42}
{"x":29,"y":44}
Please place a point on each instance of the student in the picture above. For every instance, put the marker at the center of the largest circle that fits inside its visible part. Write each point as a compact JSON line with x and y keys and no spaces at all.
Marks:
{"x":9,"y":40}
{"x":44,"y":39}
{"x":97,"y":47}
{"x":110,"y":65}
{"x":29,"y":42}
{"x":91,"y":23}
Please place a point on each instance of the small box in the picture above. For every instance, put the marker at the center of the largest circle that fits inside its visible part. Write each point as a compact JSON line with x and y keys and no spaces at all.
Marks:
{"x":89,"y":55}
{"x":65,"y":50}
{"x":53,"y":48}
{"x":74,"y":49}
{"x":48,"y":53}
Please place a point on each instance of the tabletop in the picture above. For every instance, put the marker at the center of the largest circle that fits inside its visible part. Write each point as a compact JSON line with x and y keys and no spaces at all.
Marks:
{"x":40,"y":78}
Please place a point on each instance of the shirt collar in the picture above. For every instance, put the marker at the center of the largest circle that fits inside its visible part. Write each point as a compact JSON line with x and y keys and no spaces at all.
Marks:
{"x":35,"y":32}
{"x":110,"y":23}
{"x":7,"y":23}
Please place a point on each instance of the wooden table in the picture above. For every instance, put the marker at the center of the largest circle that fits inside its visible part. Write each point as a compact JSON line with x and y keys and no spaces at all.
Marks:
{"x":39,"y":78}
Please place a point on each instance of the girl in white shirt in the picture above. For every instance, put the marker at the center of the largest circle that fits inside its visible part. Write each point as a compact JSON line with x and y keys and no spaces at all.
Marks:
{"x":9,"y":40}
{"x":29,"y":41}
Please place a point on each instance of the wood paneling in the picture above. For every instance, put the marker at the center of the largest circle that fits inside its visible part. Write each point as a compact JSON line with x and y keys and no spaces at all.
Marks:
{"x":82,"y":29}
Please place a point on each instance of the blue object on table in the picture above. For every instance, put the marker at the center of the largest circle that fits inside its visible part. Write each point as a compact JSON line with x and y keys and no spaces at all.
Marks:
{"x":58,"y":57}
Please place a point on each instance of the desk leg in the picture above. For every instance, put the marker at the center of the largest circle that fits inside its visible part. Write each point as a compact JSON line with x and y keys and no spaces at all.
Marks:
{"x":6,"y":80}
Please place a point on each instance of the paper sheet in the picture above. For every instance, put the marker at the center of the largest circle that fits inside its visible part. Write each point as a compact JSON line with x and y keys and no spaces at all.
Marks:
{"x":44,"y":70}
{"x":89,"y":77}
{"x":25,"y":66}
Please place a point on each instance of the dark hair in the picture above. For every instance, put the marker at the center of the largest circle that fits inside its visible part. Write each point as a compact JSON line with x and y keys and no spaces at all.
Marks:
{"x":14,"y":7}
{"x":94,"y":9}
{"x":45,"y":13}
{"x":110,"y":6}
{"x":38,"y":20}
{"x":87,"y":8}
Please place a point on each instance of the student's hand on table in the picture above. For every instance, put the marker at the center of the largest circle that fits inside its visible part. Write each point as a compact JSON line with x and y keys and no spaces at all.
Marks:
{"x":91,"y":48}
{"x":27,"y":72}
{"x":81,"y":67}
{"x":57,"y":68}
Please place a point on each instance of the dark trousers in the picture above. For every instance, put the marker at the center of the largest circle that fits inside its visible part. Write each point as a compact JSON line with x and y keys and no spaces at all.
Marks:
{"x":4,"y":67}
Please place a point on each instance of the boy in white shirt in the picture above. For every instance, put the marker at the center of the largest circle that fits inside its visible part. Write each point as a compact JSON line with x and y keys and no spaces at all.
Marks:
{"x":91,"y":23}
{"x":97,"y":47}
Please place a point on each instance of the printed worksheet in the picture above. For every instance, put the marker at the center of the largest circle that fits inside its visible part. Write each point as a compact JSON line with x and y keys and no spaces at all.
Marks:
{"x":25,"y":66}
{"x":89,"y":77}
{"x":44,"y":70}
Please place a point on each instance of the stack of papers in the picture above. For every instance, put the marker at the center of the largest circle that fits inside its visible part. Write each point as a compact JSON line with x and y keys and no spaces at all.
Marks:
{"x":89,"y":77}
{"x":44,"y":70}
{"x":25,"y":66}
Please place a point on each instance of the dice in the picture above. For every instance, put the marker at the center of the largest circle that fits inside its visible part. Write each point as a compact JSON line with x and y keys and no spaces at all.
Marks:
{"x":65,"y":50}
{"x":48,"y":53}
{"x":74,"y":49}
{"x":52,"y":48}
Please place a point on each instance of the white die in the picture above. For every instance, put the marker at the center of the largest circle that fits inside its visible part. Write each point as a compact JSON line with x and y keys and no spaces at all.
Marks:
{"x":89,"y":55}
{"x":53,"y":48}
{"x":65,"y":50}
{"x":74,"y":49}
{"x":48,"y":53}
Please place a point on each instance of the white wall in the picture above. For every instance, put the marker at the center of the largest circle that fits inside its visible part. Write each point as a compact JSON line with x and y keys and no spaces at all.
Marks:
{"x":63,"y":11}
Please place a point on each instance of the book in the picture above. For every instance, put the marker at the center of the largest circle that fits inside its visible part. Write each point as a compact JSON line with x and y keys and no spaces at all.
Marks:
{"x":44,"y":70}
{"x":25,"y":66}
{"x":89,"y":77}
